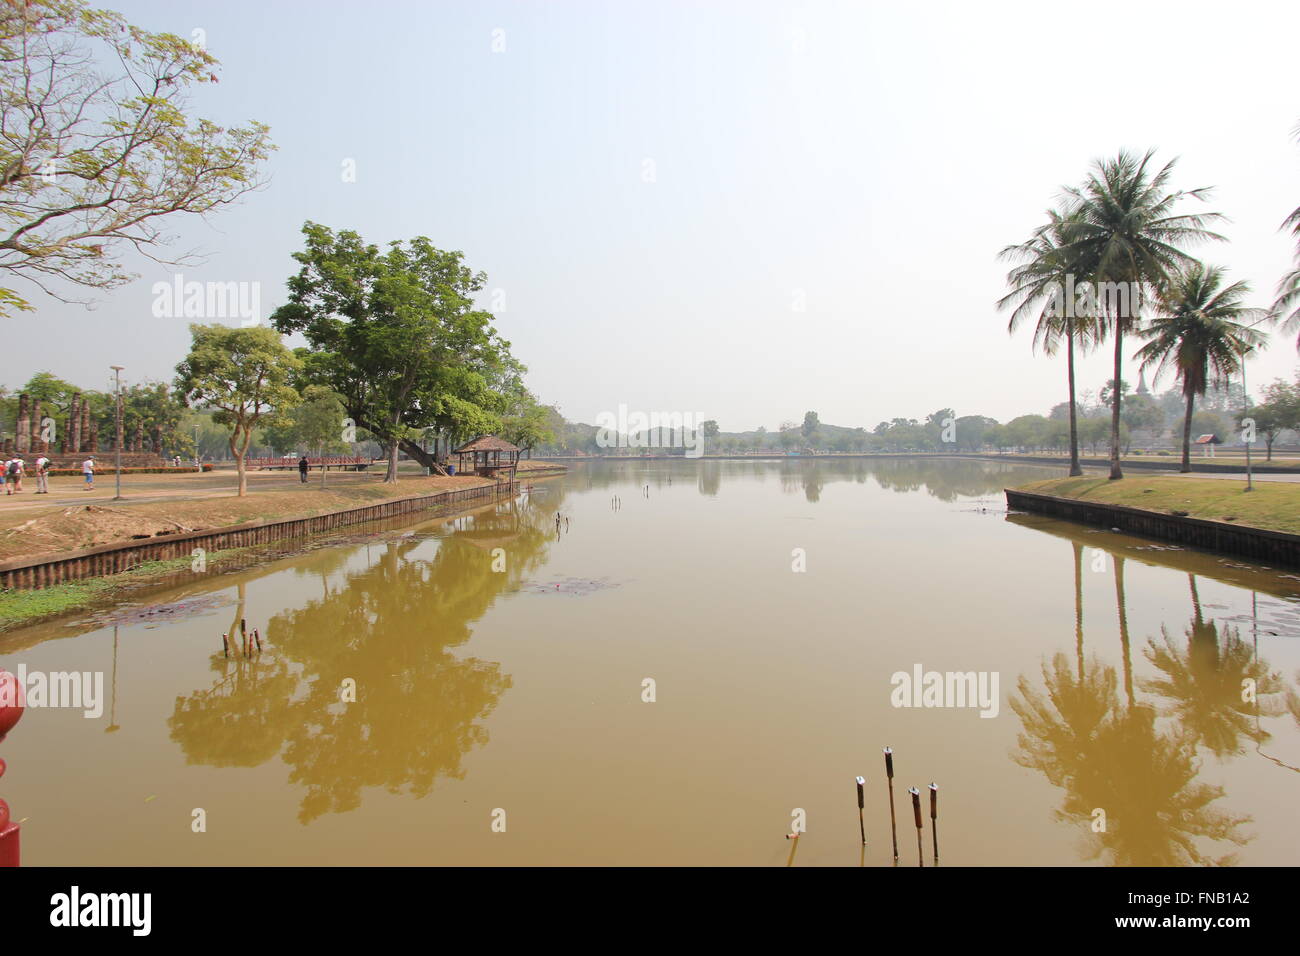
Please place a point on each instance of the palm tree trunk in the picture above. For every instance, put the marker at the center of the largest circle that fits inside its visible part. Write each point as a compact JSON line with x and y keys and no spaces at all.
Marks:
{"x":1125,"y":647}
{"x":1115,"y":470}
{"x":1075,"y":470}
{"x":1078,"y":604}
{"x":1187,"y":434}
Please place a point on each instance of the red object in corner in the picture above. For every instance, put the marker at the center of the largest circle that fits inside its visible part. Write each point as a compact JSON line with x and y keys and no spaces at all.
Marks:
{"x":10,"y":711}
{"x":8,"y":838}
{"x":10,"y":708}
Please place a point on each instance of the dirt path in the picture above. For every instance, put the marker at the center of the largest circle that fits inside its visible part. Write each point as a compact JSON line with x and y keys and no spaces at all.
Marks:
{"x":67,"y":519}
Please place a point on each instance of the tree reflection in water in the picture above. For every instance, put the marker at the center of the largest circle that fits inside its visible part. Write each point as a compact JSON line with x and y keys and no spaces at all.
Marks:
{"x":1110,"y":757}
{"x":947,"y":479}
{"x":392,"y":629}
{"x":1107,"y":753}
{"x":1203,"y":684}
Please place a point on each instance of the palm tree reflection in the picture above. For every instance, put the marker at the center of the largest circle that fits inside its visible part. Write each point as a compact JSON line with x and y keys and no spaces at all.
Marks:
{"x":1107,"y":752}
{"x":1203,"y":684}
{"x":1110,"y":757}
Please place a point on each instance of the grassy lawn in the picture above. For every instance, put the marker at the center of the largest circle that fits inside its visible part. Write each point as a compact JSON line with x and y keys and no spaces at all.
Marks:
{"x":1172,"y":459}
{"x":1273,"y":504}
{"x":28,"y":607}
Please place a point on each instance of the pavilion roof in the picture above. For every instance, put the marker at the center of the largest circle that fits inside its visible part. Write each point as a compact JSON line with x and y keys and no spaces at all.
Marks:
{"x":485,"y":443}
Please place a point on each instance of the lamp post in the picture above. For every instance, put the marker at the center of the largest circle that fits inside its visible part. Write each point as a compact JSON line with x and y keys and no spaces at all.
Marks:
{"x":197,"y":463}
{"x":1245,"y":409}
{"x":117,"y":393}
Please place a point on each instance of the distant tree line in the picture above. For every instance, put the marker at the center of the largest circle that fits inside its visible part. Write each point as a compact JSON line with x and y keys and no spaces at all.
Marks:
{"x":1148,"y":422}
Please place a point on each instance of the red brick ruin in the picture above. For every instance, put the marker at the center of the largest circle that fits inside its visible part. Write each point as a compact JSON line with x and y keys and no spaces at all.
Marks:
{"x":76,"y":435}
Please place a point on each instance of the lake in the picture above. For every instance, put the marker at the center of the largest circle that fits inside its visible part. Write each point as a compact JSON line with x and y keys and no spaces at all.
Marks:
{"x":702,"y":656}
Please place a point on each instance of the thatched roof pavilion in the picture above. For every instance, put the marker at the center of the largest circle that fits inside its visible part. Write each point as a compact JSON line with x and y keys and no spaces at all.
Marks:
{"x":485,"y":457}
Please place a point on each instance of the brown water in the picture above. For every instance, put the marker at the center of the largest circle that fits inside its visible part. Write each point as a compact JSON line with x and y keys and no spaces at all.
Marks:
{"x":480,"y":691}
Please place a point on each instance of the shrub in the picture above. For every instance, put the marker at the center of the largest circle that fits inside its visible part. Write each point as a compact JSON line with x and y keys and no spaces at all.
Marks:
{"x":109,"y":470}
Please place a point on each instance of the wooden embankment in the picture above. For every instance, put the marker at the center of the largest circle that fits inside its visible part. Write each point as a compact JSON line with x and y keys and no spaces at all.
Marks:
{"x":45,"y":570}
{"x":1221,"y":537}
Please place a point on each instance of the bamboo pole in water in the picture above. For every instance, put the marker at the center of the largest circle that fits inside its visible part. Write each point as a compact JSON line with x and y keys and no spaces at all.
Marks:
{"x":934,"y":818}
{"x":862,"y":826}
{"x":889,"y":772}
{"x":916,"y":812}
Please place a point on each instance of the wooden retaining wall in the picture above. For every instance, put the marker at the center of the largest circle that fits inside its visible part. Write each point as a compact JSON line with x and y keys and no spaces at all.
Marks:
{"x":43,"y":571}
{"x":1257,"y":544}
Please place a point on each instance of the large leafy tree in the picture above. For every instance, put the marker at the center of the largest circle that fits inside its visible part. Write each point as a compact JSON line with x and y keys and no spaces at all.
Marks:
{"x":397,"y":336}
{"x":1279,"y":412}
{"x":149,"y":410}
{"x":1142,"y":413}
{"x":1200,"y":334}
{"x":1123,"y":222}
{"x":96,"y":150}
{"x":314,"y":425}
{"x":810,"y":425}
{"x":244,"y":375}
{"x":526,"y":422}
{"x":1039,"y":292}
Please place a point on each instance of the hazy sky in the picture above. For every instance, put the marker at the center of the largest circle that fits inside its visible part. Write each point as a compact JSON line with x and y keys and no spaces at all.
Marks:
{"x":748,"y":209}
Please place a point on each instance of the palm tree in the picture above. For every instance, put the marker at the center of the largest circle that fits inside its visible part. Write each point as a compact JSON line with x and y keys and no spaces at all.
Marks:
{"x":1038,"y":286}
{"x":1199,"y":335}
{"x":1288,"y":290}
{"x":1122,"y":219}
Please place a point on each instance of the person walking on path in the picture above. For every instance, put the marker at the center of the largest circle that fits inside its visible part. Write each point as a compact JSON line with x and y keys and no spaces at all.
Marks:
{"x":22,"y":469}
{"x":302,"y":469}
{"x":4,"y":476}
{"x":88,"y":469}
{"x":13,"y":472}
{"x":42,"y":475}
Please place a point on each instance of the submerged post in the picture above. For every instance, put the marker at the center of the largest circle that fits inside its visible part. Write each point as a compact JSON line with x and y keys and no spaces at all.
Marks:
{"x":916,"y":812}
{"x":862,"y":827}
{"x":934,"y":818}
{"x":889,"y":772}
{"x":11,"y":709}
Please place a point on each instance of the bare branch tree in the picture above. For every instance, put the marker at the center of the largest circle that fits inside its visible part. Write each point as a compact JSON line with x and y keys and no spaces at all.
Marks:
{"x":96,"y":151}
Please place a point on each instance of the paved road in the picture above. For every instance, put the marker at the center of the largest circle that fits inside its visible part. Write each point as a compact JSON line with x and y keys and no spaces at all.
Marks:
{"x":1235,"y":477}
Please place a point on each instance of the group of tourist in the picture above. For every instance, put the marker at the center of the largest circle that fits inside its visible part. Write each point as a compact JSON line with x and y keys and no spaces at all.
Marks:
{"x":14,"y":470}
